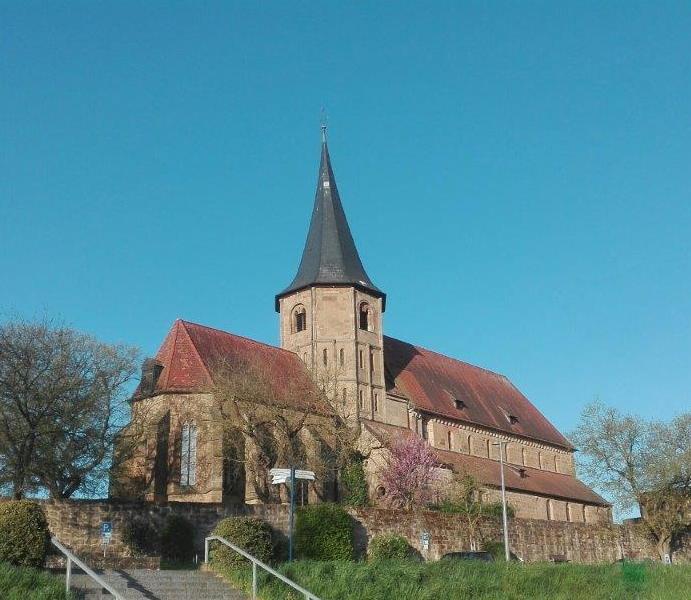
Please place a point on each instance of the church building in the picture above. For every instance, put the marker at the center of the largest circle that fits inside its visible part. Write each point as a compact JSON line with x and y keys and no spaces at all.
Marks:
{"x":331,"y":320}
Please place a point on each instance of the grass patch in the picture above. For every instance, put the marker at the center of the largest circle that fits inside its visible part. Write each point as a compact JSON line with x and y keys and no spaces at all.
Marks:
{"x":382,"y":580}
{"x":22,"y":583}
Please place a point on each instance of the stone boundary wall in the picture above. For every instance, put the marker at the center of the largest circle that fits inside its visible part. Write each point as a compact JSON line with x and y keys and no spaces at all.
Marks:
{"x":77,"y":524}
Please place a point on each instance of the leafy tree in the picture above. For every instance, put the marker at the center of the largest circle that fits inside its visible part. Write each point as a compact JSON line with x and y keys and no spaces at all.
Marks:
{"x":62,"y":397}
{"x":639,"y":464}
{"x":409,"y":473}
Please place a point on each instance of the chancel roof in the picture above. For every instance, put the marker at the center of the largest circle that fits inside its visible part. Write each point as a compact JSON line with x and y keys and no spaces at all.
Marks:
{"x":330,"y":256}
{"x":191,"y":354}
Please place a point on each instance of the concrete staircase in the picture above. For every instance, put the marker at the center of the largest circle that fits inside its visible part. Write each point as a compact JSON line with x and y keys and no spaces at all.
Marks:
{"x":140,"y":584}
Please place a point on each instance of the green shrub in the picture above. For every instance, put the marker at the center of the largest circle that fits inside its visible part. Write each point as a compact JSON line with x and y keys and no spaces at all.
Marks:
{"x":250,"y":534}
{"x":24,"y":536}
{"x":141,"y":537}
{"x":389,"y":546}
{"x":177,"y":539}
{"x":354,"y":482}
{"x":324,"y":532}
{"x":24,"y":583}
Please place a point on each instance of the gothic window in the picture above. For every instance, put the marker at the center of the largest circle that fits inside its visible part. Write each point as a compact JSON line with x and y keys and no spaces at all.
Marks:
{"x":188,"y":459}
{"x":325,"y":356}
{"x":299,"y":320}
{"x":341,"y":356}
{"x":365,"y":317}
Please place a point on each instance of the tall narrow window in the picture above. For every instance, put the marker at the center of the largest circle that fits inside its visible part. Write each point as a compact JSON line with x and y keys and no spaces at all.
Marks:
{"x":299,"y":318}
{"x":341,"y":356}
{"x":376,"y":402}
{"x":371,"y":361}
{"x":365,"y":315}
{"x":188,"y":460}
{"x":489,"y":449}
{"x":449,"y":440}
{"x":362,"y":399}
{"x":470,"y":444}
{"x":523,"y":456}
{"x":361,"y":355}
{"x":325,"y":356}
{"x":550,"y":510}
{"x":344,"y":396}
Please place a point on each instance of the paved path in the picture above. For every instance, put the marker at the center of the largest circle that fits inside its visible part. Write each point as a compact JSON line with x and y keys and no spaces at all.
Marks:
{"x":140,"y":584}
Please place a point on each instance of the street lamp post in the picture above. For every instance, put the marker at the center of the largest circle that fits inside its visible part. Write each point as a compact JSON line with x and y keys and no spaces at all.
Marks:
{"x":502,"y":445}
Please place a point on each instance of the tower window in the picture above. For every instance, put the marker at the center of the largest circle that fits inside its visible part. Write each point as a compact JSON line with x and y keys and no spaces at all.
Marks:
{"x":371,"y":361}
{"x":362,"y":399}
{"x":449,"y":440}
{"x":188,"y":458}
{"x":376,"y":402}
{"x":362,"y":359}
{"x":341,"y":356}
{"x":366,"y":320}
{"x":299,"y":318}
{"x":325,"y":356}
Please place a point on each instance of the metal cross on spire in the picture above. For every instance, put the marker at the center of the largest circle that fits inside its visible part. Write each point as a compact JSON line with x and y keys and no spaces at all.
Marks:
{"x":323,"y":121}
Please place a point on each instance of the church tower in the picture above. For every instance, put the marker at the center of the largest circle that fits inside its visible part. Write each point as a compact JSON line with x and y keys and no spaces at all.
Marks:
{"x":331,"y":313}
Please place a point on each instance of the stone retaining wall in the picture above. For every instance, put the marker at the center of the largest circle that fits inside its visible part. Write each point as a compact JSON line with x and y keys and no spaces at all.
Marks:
{"x":77,"y":524}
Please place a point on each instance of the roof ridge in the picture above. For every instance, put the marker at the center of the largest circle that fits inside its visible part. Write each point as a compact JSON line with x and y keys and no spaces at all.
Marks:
{"x":465,"y":362}
{"x":249,"y":339}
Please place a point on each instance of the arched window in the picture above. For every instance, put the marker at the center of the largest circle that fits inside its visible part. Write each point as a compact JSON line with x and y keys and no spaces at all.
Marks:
{"x":188,"y":458}
{"x":366,"y":320}
{"x":325,"y":356}
{"x":299,"y":320}
{"x":341,"y":356}
{"x":470,"y":444}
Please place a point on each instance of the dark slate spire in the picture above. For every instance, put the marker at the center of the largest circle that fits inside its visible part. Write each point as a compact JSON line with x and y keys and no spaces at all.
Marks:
{"x":330,"y":256}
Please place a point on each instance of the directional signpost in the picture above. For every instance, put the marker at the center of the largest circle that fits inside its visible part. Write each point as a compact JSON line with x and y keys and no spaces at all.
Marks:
{"x":289,"y":476}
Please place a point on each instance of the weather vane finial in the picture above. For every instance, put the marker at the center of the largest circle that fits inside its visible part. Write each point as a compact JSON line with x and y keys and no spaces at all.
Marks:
{"x":323,"y":121}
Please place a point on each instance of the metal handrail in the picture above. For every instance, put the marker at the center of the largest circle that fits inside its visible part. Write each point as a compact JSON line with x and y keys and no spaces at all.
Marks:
{"x":255,"y":563}
{"x":71,"y":558}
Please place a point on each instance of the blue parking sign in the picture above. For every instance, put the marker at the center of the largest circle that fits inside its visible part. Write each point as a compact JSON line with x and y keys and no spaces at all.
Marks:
{"x":106,"y":530}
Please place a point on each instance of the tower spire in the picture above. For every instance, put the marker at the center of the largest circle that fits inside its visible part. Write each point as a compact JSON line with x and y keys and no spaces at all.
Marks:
{"x":330,"y":257}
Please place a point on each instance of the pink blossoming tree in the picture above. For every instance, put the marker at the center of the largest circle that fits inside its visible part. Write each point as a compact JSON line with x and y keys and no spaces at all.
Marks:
{"x":409,"y":473}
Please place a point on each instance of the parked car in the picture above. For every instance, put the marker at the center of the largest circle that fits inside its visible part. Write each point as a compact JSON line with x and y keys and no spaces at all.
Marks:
{"x":483,"y":556}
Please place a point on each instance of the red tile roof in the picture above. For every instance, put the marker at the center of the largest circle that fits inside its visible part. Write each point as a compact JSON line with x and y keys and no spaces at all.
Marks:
{"x":487,"y":471}
{"x":191,"y":352}
{"x":432,"y":382}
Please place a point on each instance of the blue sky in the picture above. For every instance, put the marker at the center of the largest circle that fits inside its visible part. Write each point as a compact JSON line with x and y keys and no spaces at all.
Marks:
{"x":517,"y":176}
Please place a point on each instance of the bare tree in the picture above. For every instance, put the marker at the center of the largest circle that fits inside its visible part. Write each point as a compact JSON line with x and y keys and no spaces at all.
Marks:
{"x":639,"y":463}
{"x":271,"y":419}
{"x":62,"y":398}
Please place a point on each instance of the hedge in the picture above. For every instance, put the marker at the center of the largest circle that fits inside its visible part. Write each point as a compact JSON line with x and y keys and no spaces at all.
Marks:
{"x":324,"y":532}
{"x":250,"y":534}
{"x":389,"y":546}
{"x":24,"y":536}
